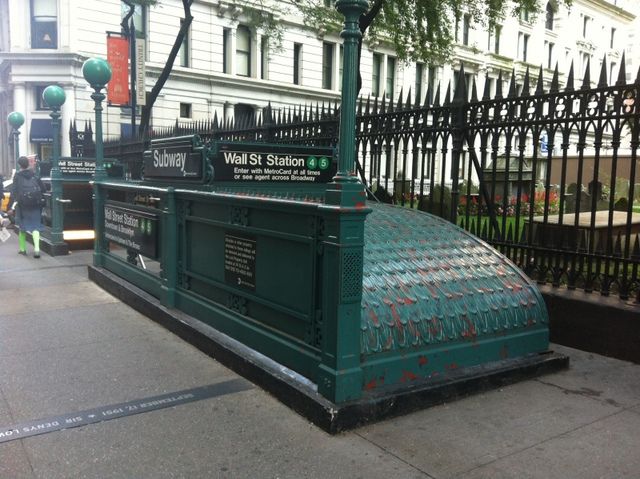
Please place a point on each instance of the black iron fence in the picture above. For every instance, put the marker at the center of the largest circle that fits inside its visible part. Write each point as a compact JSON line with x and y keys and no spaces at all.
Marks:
{"x":546,"y":175}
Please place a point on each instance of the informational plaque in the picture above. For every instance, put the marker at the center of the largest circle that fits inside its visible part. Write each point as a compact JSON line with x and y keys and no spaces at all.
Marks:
{"x":174,"y":159}
{"x":76,"y":166}
{"x":240,"y":260}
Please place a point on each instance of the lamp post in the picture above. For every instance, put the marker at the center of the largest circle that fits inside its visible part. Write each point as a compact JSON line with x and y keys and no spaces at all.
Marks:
{"x":16,"y":120}
{"x":340,"y":373}
{"x":346,"y":189}
{"x":97,"y":72}
{"x":54,"y":97}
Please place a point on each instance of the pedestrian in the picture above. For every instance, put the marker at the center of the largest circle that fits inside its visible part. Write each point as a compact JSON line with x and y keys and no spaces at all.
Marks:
{"x":26,"y":204}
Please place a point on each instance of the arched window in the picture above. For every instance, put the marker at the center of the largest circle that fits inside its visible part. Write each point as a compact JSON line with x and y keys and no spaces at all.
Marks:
{"x":549,"y":17}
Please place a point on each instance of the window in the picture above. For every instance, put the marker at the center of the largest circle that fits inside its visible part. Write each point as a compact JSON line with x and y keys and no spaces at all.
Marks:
{"x":419,"y":79}
{"x":264,"y":58}
{"x":613,"y":38}
{"x":549,"y":50}
{"x":44,"y":24}
{"x":524,"y":15}
{"x":376,"y":74}
{"x":226,"y":47}
{"x":466,"y":23}
{"x":585,"y":25}
{"x":548,"y":22}
{"x":585,"y":60}
{"x":243,"y":112}
{"x":185,"y":110}
{"x":523,"y":45}
{"x":340,"y":67}
{"x":391,"y":77}
{"x":612,"y":69}
{"x":183,"y":54}
{"x":297,"y":63}
{"x":327,"y":65}
{"x":39,"y":101}
{"x":243,"y":51}
{"x":492,"y":87}
{"x":431,"y":82}
{"x":494,"y":39}
{"x":139,"y":18}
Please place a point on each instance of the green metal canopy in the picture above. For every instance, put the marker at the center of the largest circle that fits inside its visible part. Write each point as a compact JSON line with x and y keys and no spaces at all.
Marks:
{"x":429,"y":288}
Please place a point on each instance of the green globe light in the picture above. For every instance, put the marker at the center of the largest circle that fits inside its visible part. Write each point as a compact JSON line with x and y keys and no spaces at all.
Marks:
{"x":15,"y":119}
{"x":97,"y":72}
{"x":54,"y":96}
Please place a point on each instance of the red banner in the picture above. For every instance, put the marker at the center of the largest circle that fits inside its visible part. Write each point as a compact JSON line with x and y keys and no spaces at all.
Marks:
{"x":118,"y":58}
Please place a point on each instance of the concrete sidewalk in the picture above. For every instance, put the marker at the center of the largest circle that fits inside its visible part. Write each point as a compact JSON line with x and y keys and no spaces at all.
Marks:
{"x":67,"y":347}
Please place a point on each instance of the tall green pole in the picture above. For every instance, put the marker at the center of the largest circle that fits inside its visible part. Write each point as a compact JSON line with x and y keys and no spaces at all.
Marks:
{"x":97,"y":72}
{"x":343,"y":214}
{"x":352,"y":10}
{"x":16,"y":120}
{"x":54,"y":97}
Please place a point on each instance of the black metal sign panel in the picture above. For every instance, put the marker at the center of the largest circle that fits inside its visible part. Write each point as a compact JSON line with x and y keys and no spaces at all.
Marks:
{"x":76,"y":166}
{"x":135,"y":229}
{"x":174,"y":159}
{"x":255,"y":162}
{"x":115,"y":411}
{"x":240,"y":260}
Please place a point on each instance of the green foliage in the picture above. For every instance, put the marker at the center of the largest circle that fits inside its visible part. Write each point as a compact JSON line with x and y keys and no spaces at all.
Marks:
{"x":420,"y":30}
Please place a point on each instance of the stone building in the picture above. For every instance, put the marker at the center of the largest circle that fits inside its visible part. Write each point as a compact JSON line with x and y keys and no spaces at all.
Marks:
{"x":226,"y":68}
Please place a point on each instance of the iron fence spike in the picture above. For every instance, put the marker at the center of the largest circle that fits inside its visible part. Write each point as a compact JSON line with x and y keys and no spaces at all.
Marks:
{"x":603,"y":81}
{"x":427,"y":96}
{"x":540,"y":84}
{"x":570,"y":82}
{"x":447,"y":96}
{"x":555,"y":84}
{"x":512,"y":85}
{"x":525,"y":83}
{"x":498,"y":95}
{"x":436,"y":97}
{"x":486,"y":94}
{"x":622,"y":72}
{"x":460,"y":90}
{"x":586,"y":81}
{"x":474,"y":91}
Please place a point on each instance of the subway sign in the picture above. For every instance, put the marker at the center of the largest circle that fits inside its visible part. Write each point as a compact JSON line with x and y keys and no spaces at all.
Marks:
{"x":175,"y":159}
{"x":135,"y":228}
{"x":269,"y":163}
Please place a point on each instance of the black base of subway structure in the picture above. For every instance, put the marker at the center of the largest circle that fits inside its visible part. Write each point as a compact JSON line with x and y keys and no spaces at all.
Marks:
{"x":299,"y":395}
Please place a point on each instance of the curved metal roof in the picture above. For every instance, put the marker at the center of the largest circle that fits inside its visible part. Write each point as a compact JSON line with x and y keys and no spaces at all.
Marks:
{"x":427,"y":281}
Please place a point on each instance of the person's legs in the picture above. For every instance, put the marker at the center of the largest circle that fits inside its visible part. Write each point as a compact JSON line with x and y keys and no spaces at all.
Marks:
{"x":36,"y":243}
{"x":22,"y":242}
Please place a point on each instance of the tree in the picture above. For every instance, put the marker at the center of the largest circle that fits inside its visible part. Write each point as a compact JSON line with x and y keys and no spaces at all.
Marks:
{"x":419,"y":30}
{"x":258,"y":12}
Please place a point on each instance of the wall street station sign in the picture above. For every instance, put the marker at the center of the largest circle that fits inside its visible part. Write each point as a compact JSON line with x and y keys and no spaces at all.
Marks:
{"x":175,"y":159}
{"x":132,"y":227}
{"x":262,"y":162}
{"x":76,"y":166}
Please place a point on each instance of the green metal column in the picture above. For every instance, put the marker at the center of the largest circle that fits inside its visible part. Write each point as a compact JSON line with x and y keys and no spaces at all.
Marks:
{"x":54,"y":97}
{"x":15,"y":120}
{"x":340,"y":374}
{"x":98,"y":73}
{"x":169,"y":247}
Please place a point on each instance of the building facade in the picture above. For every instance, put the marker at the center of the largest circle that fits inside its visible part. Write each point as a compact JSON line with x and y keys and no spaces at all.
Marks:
{"x":226,"y":68}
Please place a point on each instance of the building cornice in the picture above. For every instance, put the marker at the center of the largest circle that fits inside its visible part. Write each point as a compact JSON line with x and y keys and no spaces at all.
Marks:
{"x":244,"y":84}
{"x":614,"y":10}
{"x":25,"y":58}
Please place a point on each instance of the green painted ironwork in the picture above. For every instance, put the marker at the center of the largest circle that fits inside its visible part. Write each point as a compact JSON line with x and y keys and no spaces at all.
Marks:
{"x":15,"y":120}
{"x":352,"y":295}
{"x":54,"y":97}
{"x":97,"y":72}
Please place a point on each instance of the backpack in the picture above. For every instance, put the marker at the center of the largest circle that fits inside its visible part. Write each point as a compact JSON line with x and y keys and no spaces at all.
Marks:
{"x":30,"y":193}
